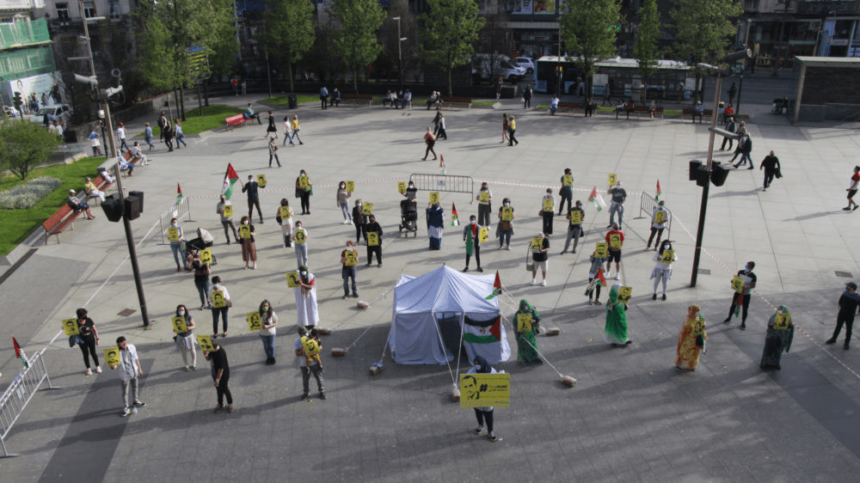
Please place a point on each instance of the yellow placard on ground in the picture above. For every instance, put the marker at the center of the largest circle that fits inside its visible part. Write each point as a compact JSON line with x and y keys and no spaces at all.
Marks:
{"x":218,"y":300}
{"x":179,"y":324}
{"x":536,"y":244}
{"x":301,"y":236}
{"x":547,"y":204}
{"x":659,"y":217}
{"x":485,"y":390}
{"x":575,"y":217}
{"x":507,"y":213}
{"x":70,"y":326}
{"x":401,"y":187}
{"x":112,"y":356}
{"x":245,"y":231}
{"x":483,"y":235}
{"x":434,"y":197}
{"x":261,"y":180}
{"x":613,"y":179}
{"x":524,"y":322}
{"x":367,"y":209}
{"x":227,"y":210}
{"x":738,"y":284}
{"x":668,"y":256}
{"x":254,"y":321}
{"x":205,"y":343}
{"x":568,"y":180}
{"x":624,"y":294}
{"x":615,"y":241}
{"x":601,"y":250}
{"x":350,"y":258}
{"x":373,"y":239}
{"x":350,"y":186}
{"x":173,"y":234}
{"x":284,"y":211}
{"x":782,"y":320}
{"x":292,"y":279}
{"x":484,"y":197}
{"x":206,"y":256}
{"x":304,"y":182}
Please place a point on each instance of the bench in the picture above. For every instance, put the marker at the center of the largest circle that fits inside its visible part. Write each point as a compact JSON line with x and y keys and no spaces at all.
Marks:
{"x":59,"y":221}
{"x":356,"y":99}
{"x":462,"y":101}
{"x":689,"y":112}
{"x":101,"y":184}
{"x":644,"y":110}
{"x":238,"y":119}
{"x":570,"y":106}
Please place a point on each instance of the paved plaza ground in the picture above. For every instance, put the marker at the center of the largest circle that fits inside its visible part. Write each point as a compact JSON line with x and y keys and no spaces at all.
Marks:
{"x":631,"y":416}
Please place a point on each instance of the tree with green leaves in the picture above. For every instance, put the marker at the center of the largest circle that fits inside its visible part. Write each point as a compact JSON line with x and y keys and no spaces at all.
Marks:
{"x":587,"y":29}
{"x":288,"y":31}
{"x":355,"y":41}
{"x":645,"y":49}
{"x":449,"y":32}
{"x":25,"y":145}
{"x":703,"y":31}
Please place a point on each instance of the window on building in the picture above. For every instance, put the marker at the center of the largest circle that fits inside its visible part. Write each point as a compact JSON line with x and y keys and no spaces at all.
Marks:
{"x":89,"y":9}
{"x":114,"y":9}
{"x":63,"y":11}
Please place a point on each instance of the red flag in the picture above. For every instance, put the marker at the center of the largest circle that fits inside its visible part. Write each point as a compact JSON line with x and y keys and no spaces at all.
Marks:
{"x":455,"y":220}
{"x":496,"y":329}
{"x":497,"y":287}
{"x":600,"y":278}
{"x":178,"y":194}
{"x":19,"y":353}
{"x":442,"y":163}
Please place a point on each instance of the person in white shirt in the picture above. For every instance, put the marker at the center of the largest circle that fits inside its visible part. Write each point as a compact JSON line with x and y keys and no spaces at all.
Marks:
{"x":663,"y":270}
{"x":553,"y":105}
{"x":223,"y":311}
{"x":129,"y":371}
{"x":120,"y":132}
{"x":137,"y":153}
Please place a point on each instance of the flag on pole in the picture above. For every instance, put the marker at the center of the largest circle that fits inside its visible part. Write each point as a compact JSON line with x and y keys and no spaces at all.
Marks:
{"x":595,"y":198}
{"x":483,"y":332}
{"x":659,"y":191}
{"x":600,"y":278}
{"x":178,"y":194}
{"x":19,"y":353}
{"x":455,"y":221}
{"x":229,"y":180}
{"x":497,"y":287}
{"x":442,"y":163}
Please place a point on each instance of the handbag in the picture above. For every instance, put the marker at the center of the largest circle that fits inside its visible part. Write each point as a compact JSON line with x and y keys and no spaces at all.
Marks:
{"x":540,"y":213}
{"x":530,"y":264}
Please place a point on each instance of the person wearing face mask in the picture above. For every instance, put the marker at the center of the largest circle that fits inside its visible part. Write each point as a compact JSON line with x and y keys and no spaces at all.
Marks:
{"x":743,"y":299}
{"x":251,"y":187}
{"x":286,"y":223}
{"x":576,"y":215}
{"x":411,"y":192}
{"x":566,"y":191}
{"x":547,"y":201}
{"x":663,"y":269}
{"x":300,"y":238}
{"x":304,"y":191}
{"x":485,"y":205}
{"x":267,"y":333}
{"x":373,"y":227}
{"x":540,"y":258}
{"x":176,"y":245}
{"x":249,"y":245}
{"x":348,"y":268}
{"x":343,"y":202}
{"x":473,"y":242}
{"x":201,"y":279}
{"x":526,"y":331}
{"x":657,"y":228}
{"x":185,"y":341}
{"x":226,"y":221}
{"x":88,"y":338}
{"x":359,"y":220}
{"x":435,"y":225}
{"x":484,"y":414}
{"x":216,"y":311}
{"x":506,"y":224}
{"x":306,"y":299}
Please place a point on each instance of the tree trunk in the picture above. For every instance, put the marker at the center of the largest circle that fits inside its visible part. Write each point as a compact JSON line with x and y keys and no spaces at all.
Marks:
{"x":290,"y":71}
{"x":176,"y":101}
{"x":450,"y":86}
{"x":355,"y":79}
{"x":182,"y":102}
{"x":206,"y":92}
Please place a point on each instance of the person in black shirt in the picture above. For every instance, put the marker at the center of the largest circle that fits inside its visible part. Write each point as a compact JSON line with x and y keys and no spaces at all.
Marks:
{"x":574,"y":230}
{"x":540,"y":256}
{"x":251,"y":187}
{"x":373,"y":227}
{"x":770,"y":165}
{"x":848,"y":304}
{"x":743,"y":299}
{"x":221,"y":375}
{"x":88,"y":338}
{"x":619,"y":195}
{"x":732,"y":127}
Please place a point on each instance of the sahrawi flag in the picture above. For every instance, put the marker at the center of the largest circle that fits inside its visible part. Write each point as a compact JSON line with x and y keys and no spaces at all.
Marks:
{"x":455,"y":221}
{"x":497,"y":287}
{"x":178,"y":194}
{"x":659,"y":191}
{"x":595,"y":198}
{"x":483,"y":332}
{"x":19,"y":353}
{"x":229,"y":180}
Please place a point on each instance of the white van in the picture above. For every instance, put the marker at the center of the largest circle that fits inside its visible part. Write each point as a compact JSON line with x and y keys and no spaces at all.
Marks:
{"x":502,"y":66}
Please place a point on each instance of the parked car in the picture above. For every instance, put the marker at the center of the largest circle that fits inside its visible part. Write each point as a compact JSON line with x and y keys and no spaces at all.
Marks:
{"x":501,"y":67}
{"x":55,"y":113}
{"x":526,"y":63}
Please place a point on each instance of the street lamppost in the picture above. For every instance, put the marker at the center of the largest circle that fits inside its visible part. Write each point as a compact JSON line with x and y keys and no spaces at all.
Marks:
{"x":399,"y":54}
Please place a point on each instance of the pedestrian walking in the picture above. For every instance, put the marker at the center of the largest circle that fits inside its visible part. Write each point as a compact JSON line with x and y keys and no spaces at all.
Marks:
{"x":373,"y":227}
{"x":180,"y":135}
{"x":161,"y":123}
{"x":771,"y":167}
{"x":252,"y":189}
{"x":185,"y":341}
{"x":485,"y":204}
{"x":120,"y":133}
{"x":219,"y":300}
{"x":527,"y":321}
{"x":224,"y":208}
{"x":512,"y":130}
{"x":324,"y":98}
{"x":746,"y":149}
{"x":273,"y":152}
{"x":308,"y":368}
{"x":848,"y":307}
{"x":201,"y":280}
{"x":547,"y":211}
{"x":342,"y":199}
{"x":306,"y":299}
{"x":732,"y":91}
{"x":300,"y":238}
{"x":87,"y":339}
{"x":566,"y":191}
{"x":168,"y":136}
{"x":271,"y":130}
{"x":221,"y":375}
{"x":852,"y":189}
{"x":147,"y":135}
{"x":615,"y":331}
{"x":780,"y":333}
{"x":607,"y":96}
{"x":177,"y":238}
{"x":506,"y":216}
{"x":297,"y":127}
{"x":288,"y":132}
{"x":435,"y":225}
{"x":504,"y":127}
{"x":483,"y":414}
{"x":359,"y":219}
{"x":304,"y":190}
{"x":540,"y":257}
{"x":472,"y":238}
{"x":691,"y":341}
{"x":244,"y":87}
{"x":349,"y":259}
{"x":659,"y":219}
{"x":615,"y":239}
{"x":527,"y":97}
{"x":575,"y":216}
{"x":284,"y":217}
{"x":663,"y":269}
{"x":595,"y":282}
{"x":741,"y":297}
{"x":442,"y":133}
{"x":732,"y":127}
{"x":249,"y":244}
{"x":129,"y":373}
{"x":94,"y":142}
{"x":619,"y":196}
{"x":269,"y":321}
{"x":430,"y":141}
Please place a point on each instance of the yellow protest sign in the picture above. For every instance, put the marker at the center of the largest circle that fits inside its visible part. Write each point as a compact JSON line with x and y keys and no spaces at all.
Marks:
{"x":350,"y":258}
{"x":173,"y":234}
{"x":668,"y":256}
{"x":245,"y":231}
{"x":601,"y":250}
{"x":284,"y":211}
{"x":659,"y":217}
{"x":484,"y":197}
{"x":568,"y":180}
{"x":401,"y":187}
{"x":373,"y":239}
{"x":536,"y":244}
{"x":367,"y":209}
{"x":483,"y":235}
{"x":70,"y":326}
{"x":227,"y":210}
{"x":112,"y":356}
{"x":301,"y":236}
{"x":254,"y":321}
{"x":782,"y":320}
{"x":261,"y":180}
{"x":547,"y":204}
{"x":206,"y":256}
{"x":524,"y":322}
{"x":218,"y":300}
{"x":615,"y":241}
{"x":484,"y":390}
{"x":434,"y":197}
{"x":179,"y":324}
{"x":575,"y":217}
{"x":350,"y":186}
{"x":613,"y":179}
{"x":507,"y":213}
{"x":624,"y":294}
{"x":738,"y":284}
{"x":292,"y":279}
{"x":304,"y":182}
{"x":205,"y":343}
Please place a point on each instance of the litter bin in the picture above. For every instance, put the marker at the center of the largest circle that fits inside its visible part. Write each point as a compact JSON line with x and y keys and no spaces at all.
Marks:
{"x":293,"y":101}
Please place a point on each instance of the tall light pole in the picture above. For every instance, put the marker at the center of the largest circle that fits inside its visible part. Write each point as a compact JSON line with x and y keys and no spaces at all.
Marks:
{"x":399,"y":53}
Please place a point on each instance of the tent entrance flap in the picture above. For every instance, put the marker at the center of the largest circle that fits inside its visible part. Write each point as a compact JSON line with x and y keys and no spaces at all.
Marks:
{"x":451,"y":330}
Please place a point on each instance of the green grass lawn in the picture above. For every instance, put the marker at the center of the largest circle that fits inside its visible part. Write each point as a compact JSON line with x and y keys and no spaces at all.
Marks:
{"x":213,"y":117}
{"x":18,"y":224}
{"x":284,"y":100}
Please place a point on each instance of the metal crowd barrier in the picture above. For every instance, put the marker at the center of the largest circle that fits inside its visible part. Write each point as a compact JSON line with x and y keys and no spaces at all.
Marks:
{"x":647,"y":205}
{"x":444,"y":182}
{"x":180,"y":211}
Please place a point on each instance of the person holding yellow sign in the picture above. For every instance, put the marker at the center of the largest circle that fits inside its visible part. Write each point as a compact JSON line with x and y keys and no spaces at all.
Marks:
{"x":615,"y":331}
{"x":659,"y":218}
{"x":348,"y":260}
{"x":304,"y":190}
{"x":547,"y":211}
{"x":284,"y":217}
{"x":506,"y":224}
{"x":268,"y":332}
{"x":473,"y":242}
{"x":176,"y":237}
{"x":219,"y":299}
{"x":87,"y":339}
{"x":373,"y":229}
{"x":435,"y":225}
{"x":595,"y":277}
{"x":615,"y":239}
{"x":343,"y":202}
{"x":692,"y":340}
{"x":540,"y":256}
{"x":742,"y":297}
{"x":663,"y":269}
{"x":485,"y":205}
{"x":224,"y":208}
{"x":129,"y":372}
{"x":483,"y":414}
{"x":185,"y":340}
{"x":300,"y":237}
{"x":359,"y":219}
{"x":619,"y":195}
{"x":576,"y":215}
{"x":201,"y":280}
{"x":566,"y":191}
{"x":527,"y":323}
{"x":780,"y":332}
{"x":249,"y":244}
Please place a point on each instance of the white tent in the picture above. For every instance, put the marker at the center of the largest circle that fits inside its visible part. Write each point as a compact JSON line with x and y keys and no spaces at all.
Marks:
{"x":431,"y":312}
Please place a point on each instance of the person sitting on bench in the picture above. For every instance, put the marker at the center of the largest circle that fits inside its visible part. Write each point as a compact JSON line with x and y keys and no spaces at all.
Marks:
{"x":92,"y":191}
{"x":249,"y":114}
{"x":77,"y":205}
{"x":137,"y":154}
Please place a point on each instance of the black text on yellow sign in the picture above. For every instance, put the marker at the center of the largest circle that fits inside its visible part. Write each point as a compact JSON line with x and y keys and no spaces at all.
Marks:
{"x":179,"y":325}
{"x":483,"y":235}
{"x":301,"y":236}
{"x":738,"y":284}
{"x":484,"y":197}
{"x":261,"y":180}
{"x":600,"y":251}
{"x":781,"y":321}
{"x":254,"y":321}
{"x":218,"y":300}
{"x":227,"y":210}
{"x":205,"y":343}
{"x":350,"y":186}
{"x":206,"y":256}
{"x":367,"y":209}
{"x":668,"y":256}
{"x":434,"y":197}
{"x":173,"y":234}
{"x":284,"y":211}
{"x":536,"y":244}
{"x":524,"y":322}
{"x":568,"y":180}
{"x":245,"y":231}
{"x":615,"y":241}
{"x":659,"y":217}
{"x":401,"y":187}
{"x":507,"y":213}
{"x":373,"y":239}
{"x":304,"y":182}
{"x":350,"y":258}
{"x":575,"y":217}
{"x":613,"y":179}
{"x":112,"y":356}
{"x":70,"y":326}
{"x":485,"y":390}
{"x":292,"y":279}
{"x":547,"y":204}
{"x":624,"y":294}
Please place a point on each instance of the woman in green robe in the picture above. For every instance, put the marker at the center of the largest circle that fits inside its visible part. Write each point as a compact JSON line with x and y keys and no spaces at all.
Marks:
{"x":527,"y":327}
{"x":779,"y":336}
{"x":616,"y":319}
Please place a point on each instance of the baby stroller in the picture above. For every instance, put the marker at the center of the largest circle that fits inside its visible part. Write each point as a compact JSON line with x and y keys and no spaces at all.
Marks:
{"x":409,"y":217}
{"x":203,"y":241}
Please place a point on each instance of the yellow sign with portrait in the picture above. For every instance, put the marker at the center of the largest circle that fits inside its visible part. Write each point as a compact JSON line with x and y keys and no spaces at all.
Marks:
{"x":507,"y":213}
{"x":112,"y":356}
{"x":70,"y":326}
{"x":615,"y":241}
{"x":373,"y":239}
{"x":668,"y":256}
{"x":206,"y":256}
{"x":483,"y":235}
{"x":738,"y":284}
{"x":304,"y":182}
{"x":624,"y":294}
{"x":301,"y":236}
{"x":536,"y":244}
{"x":173,"y":234}
{"x":434,"y":197}
{"x":205,"y":343}
{"x":601,"y":250}
{"x":179,"y":325}
{"x":484,"y":197}
{"x":292,"y":279}
{"x":659,"y":217}
{"x":245,"y":231}
{"x":261,"y":180}
{"x":524,"y":322}
{"x":568,"y":180}
{"x":284,"y":211}
{"x":547,"y":204}
{"x":218,"y":300}
{"x":613,"y":179}
{"x":350,"y":258}
{"x":255,"y":323}
{"x":485,"y":390}
{"x":401,"y":187}
{"x":350,"y":186}
{"x":227,"y":210}
{"x":782,"y":321}
{"x":367,"y":209}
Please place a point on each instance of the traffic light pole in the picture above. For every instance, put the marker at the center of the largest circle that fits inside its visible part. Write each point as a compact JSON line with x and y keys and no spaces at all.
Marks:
{"x":132,"y":251}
